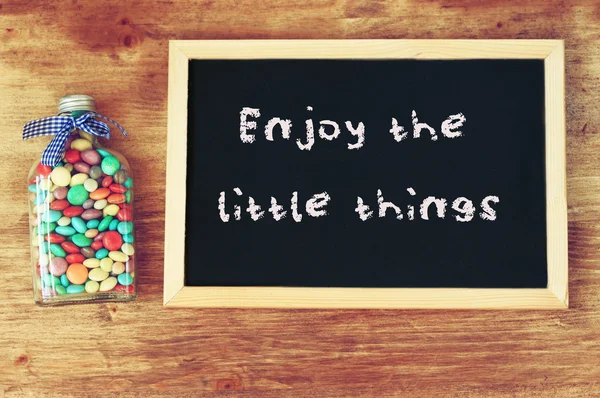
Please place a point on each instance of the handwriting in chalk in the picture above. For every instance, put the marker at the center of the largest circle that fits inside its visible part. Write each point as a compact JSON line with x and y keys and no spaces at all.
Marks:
{"x":462,"y":208}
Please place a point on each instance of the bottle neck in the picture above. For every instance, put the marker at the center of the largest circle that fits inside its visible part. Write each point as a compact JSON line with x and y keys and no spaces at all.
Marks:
{"x":88,"y":136}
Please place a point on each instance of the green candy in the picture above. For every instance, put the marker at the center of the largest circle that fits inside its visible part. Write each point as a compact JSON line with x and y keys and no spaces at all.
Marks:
{"x":128,"y":183}
{"x":100,"y":254}
{"x":128,"y":196}
{"x":52,"y":215}
{"x":125,"y":227}
{"x":103,"y":153}
{"x":32,"y":188}
{"x":110,"y":165}
{"x":92,"y":224}
{"x":40,"y":198}
{"x":78,"y":224}
{"x":125,"y":279}
{"x":50,"y":280}
{"x":65,"y":231}
{"x":60,"y":289}
{"x":64,"y":280}
{"x":46,"y":227}
{"x":57,"y":250}
{"x":105,"y":223}
{"x":128,"y":238}
{"x":44,"y":247}
{"x":113,"y":224}
{"x":74,"y":289}
{"x":77,"y":195}
{"x":81,"y":240}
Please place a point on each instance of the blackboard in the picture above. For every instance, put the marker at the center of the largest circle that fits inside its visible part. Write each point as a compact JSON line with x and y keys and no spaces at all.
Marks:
{"x":418,"y":174}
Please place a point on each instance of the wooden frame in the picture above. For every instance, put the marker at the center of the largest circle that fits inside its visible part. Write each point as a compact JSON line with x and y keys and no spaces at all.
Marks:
{"x":555,"y":296}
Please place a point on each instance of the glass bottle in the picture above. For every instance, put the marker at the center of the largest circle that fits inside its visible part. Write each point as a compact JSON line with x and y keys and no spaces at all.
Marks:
{"x":83,"y":245}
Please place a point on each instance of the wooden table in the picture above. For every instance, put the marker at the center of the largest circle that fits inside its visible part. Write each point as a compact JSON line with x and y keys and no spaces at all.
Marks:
{"x":117,"y":52}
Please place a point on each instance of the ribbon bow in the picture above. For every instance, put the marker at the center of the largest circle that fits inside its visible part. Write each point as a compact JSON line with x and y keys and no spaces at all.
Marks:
{"x":60,"y":127}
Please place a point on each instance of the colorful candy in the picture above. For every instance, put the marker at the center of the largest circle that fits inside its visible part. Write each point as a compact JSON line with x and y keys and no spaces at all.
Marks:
{"x":82,"y":224}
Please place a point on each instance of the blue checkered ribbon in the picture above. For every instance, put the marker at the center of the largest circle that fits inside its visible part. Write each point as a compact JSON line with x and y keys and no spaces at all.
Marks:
{"x":60,"y":127}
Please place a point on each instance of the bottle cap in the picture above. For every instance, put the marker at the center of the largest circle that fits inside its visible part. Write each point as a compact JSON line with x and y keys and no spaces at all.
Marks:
{"x":78,"y":102}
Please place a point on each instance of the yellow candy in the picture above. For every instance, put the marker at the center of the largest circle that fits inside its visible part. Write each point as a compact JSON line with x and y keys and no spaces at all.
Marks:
{"x":119,"y":256}
{"x":128,"y":249}
{"x":98,"y":274}
{"x":44,"y":260}
{"x":78,"y":179}
{"x":64,"y":221}
{"x":100,"y":204}
{"x":81,"y":144}
{"x":108,"y":284}
{"x":92,"y":286}
{"x":49,"y":199}
{"x":90,"y":185}
{"x":111,"y":210}
{"x":118,"y":268}
{"x":61,"y":176}
{"x":69,"y":167}
{"x":45,"y":184}
{"x":91,"y":262}
{"x":85,"y":135}
{"x":106,"y":264}
{"x":91,"y":233}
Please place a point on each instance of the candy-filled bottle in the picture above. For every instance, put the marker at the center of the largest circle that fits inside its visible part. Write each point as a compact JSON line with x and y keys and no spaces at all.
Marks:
{"x":83,"y":244}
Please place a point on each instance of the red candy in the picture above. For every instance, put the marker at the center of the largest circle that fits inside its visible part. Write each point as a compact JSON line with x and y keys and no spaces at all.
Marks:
{"x":75,"y":258}
{"x":125,"y":289}
{"x":72,"y":211}
{"x":107,"y":181}
{"x":112,"y":240}
{"x":72,"y":156}
{"x":54,"y":238}
{"x":117,"y":188}
{"x":59,"y":204}
{"x":43,"y":170}
{"x":99,"y":236}
{"x":70,"y":247}
{"x":124,"y":215}
{"x":96,"y":245}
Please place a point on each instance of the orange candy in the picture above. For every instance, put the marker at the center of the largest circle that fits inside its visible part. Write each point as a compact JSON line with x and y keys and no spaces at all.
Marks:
{"x":116,"y":198}
{"x":77,"y":273}
{"x":99,"y":193}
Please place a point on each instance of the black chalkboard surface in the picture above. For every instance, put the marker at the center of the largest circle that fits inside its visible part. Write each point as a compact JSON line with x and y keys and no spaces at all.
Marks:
{"x":487,"y":148}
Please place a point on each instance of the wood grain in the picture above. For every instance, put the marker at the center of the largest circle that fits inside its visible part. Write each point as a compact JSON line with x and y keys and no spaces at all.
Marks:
{"x":117,"y":51}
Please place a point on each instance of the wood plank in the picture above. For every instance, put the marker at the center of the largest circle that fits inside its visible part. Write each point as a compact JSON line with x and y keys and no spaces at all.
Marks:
{"x":373,"y":298}
{"x":117,"y":51}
